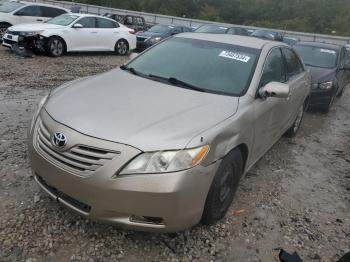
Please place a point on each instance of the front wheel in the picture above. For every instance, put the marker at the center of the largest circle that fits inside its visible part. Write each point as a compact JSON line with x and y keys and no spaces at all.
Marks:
{"x":122,"y":47}
{"x":293,"y":130}
{"x":56,"y":47}
{"x":223,"y":188}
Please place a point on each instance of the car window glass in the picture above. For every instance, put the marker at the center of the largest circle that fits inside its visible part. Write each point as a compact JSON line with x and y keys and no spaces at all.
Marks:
{"x":32,"y":10}
{"x":294,"y":65}
{"x":128,"y":20}
{"x":51,"y":12}
{"x":186,"y":29}
{"x":139,"y":21}
{"x":177,"y":30}
{"x":212,"y":66}
{"x":87,"y":22}
{"x":274,"y":68}
{"x":104,"y":23}
{"x":232,"y":31}
{"x":342,"y":58}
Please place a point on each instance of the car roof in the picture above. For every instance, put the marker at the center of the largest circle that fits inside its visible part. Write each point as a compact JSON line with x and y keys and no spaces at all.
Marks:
{"x":320,"y":44}
{"x":90,"y":15}
{"x":246,"y":41}
{"x":41,"y":4}
{"x":173,"y":25}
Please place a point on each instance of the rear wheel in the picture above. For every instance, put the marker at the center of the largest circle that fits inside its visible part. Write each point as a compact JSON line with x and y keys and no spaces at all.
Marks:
{"x":325,"y":109}
{"x":122,"y":47}
{"x":56,"y":47}
{"x":223,"y":188}
{"x":340,"y":94}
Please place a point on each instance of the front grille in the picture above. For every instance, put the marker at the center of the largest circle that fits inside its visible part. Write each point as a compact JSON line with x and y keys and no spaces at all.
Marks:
{"x":13,"y":32}
{"x":9,"y":42}
{"x":72,"y":201}
{"x":141,"y":38}
{"x":82,"y":160}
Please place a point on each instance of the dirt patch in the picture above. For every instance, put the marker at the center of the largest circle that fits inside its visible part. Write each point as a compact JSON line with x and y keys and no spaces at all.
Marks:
{"x":296,"y":197}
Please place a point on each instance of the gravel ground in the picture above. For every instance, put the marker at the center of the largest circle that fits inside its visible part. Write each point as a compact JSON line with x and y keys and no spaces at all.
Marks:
{"x":296,"y":197}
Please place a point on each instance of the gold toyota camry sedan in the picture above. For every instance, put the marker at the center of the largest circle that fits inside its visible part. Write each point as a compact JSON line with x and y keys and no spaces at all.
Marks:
{"x":162,"y":142}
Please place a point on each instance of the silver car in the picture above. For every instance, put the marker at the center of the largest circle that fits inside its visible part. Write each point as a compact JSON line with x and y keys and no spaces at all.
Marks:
{"x":161,"y":143}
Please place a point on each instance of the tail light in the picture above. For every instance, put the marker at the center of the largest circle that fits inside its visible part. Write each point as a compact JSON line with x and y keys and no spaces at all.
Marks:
{"x":132,"y":32}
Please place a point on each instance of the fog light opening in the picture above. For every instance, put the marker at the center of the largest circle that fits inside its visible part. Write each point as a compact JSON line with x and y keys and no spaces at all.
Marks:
{"x":147,"y":220}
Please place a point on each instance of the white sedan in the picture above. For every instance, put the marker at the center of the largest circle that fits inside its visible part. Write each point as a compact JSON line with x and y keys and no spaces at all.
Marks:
{"x":73,"y":33}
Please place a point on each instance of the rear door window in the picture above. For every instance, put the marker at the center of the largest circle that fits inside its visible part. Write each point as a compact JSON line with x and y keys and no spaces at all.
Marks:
{"x":294,"y":65}
{"x":32,"y":10}
{"x":274,"y":68}
{"x":51,"y":11}
{"x":105,"y":23}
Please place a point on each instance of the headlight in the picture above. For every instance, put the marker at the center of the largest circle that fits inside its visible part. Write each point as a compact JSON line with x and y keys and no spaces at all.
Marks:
{"x":31,"y":33}
{"x":166,"y":161}
{"x":326,"y":85}
{"x":155,"y":40}
{"x":314,"y":86}
{"x":40,"y":106}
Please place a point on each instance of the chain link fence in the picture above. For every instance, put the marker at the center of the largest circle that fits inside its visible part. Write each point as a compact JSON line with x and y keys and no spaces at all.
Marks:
{"x":164,"y":19}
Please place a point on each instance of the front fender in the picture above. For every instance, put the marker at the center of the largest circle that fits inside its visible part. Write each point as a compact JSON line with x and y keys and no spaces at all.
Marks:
{"x":226,"y":136}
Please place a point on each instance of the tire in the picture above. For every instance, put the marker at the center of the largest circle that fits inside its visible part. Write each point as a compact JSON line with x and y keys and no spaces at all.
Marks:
{"x":223,"y":188}
{"x":56,"y":46}
{"x":293,"y":130}
{"x":325,"y":109}
{"x":122,"y":47}
{"x":3,"y":28}
{"x":340,"y":94}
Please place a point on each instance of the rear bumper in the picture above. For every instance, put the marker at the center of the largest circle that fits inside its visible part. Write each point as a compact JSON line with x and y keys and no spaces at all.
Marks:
{"x":173,"y":201}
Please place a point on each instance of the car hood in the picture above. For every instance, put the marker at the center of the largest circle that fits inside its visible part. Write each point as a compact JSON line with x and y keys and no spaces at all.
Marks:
{"x":34,"y":27}
{"x":149,"y":34}
{"x":319,"y":74}
{"x":149,"y":115}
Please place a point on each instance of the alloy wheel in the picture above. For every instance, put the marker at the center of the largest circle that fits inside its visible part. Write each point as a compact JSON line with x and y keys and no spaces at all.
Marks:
{"x":56,"y":47}
{"x":122,"y":48}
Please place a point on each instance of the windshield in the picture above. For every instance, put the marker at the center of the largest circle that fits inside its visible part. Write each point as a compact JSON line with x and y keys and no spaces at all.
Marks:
{"x":317,"y":56}
{"x":214,"y":29}
{"x":10,"y":6}
{"x":209,"y":66}
{"x":264,"y":34}
{"x":63,"y":20}
{"x":160,"y":29}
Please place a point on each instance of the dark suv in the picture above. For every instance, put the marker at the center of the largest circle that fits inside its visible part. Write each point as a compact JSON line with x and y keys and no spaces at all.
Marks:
{"x":328,"y":65}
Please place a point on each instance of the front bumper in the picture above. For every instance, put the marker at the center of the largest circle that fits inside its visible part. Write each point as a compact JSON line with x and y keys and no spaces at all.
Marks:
{"x":320,"y":98}
{"x":8,"y":40}
{"x":169,"y":202}
{"x":143,"y":45}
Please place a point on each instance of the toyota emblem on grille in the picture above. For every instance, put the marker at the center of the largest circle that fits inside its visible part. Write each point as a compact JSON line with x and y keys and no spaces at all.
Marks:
{"x":59,"y":139}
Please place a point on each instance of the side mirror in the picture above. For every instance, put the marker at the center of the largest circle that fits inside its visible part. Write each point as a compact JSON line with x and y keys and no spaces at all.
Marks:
{"x":19,"y":13}
{"x":77,"y":25}
{"x":274,"y":89}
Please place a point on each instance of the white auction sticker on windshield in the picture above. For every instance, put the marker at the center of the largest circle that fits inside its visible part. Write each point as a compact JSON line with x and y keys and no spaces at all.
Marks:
{"x":328,"y":51}
{"x":236,"y":56}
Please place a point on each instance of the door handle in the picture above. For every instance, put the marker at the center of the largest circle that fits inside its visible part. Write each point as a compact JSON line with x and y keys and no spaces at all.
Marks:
{"x":39,"y":20}
{"x":93,"y":32}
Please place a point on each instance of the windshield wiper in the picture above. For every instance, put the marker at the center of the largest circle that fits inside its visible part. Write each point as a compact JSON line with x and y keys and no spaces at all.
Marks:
{"x":131,"y":70}
{"x":177,"y":82}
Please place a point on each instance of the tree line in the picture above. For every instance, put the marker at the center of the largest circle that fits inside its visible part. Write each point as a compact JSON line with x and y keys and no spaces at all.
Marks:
{"x":314,"y":16}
